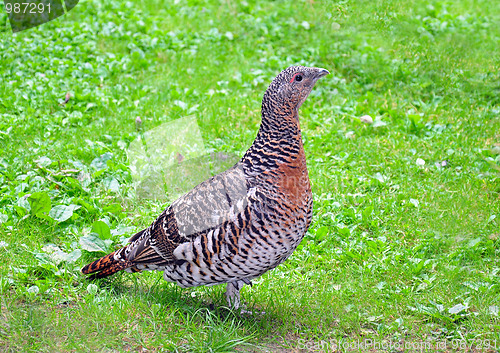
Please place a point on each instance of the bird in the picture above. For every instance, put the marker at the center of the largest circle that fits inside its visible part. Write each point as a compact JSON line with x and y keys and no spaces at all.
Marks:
{"x":243,"y":222}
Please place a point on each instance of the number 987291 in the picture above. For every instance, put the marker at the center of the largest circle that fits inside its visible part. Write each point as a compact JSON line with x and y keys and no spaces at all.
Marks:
{"x":27,"y":7}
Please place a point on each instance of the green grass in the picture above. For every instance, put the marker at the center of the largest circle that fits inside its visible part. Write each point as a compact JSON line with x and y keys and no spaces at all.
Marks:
{"x":397,"y":251}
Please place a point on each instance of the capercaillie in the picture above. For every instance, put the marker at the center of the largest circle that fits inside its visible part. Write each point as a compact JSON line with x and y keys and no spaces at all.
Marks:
{"x":243,"y":222}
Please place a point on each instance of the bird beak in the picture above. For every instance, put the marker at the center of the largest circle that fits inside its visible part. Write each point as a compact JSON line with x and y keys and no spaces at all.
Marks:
{"x":321,"y":72}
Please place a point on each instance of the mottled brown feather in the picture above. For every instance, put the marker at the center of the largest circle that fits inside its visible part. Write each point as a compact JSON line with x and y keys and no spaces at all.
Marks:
{"x":105,"y":266}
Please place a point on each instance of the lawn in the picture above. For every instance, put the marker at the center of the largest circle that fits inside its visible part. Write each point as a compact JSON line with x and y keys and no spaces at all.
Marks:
{"x":404,"y":247}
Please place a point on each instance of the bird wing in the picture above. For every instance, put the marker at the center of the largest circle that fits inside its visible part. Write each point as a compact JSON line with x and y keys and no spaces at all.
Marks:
{"x":205,"y":208}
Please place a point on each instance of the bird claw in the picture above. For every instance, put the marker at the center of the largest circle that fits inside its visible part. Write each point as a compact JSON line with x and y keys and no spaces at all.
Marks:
{"x":247,"y":281}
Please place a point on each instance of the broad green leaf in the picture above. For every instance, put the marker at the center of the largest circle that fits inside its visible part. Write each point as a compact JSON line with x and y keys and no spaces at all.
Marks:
{"x":40,"y":203}
{"x":22,"y":202}
{"x":59,"y":256}
{"x":85,"y":179}
{"x":90,"y":106}
{"x":100,"y":163}
{"x":457,"y":309}
{"x":54,"y":256}
{"x":3,"y":218}
{"x":321,"y":233}
{"x":33,"y":290}
{"x":73,"y":183}
{"x":74,"y":255}
{"x":44,"y":259}
{"x":121,"y":229}
{"x":44,"y":161}
{"x":92,"y":289}
{"x":61,"y":213}
{"x":21,"y":211}
{"x":111,"y":184}
{"x":181,"y":104}
{"x":85,"y":204}
{"x":473,"y":242}
{"x":102,"y":229}
{"x":21,"y":187}
{"x":378,"y":123}
{"x":380,"y":177}
{"x":344,"y":231}
{"x":92,"y":243}
{"x":113,"y":208}
{"x":367,"y":212}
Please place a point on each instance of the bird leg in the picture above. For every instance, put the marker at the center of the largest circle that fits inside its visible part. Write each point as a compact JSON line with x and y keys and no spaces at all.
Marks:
{"x":233,"y":294}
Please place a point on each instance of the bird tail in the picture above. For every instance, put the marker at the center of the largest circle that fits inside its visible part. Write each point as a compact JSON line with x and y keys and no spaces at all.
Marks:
{"x":106,"y":266}
{"x":137,"y":253}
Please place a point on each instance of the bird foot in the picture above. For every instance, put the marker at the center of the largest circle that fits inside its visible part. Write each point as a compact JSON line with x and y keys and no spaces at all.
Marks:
{"x":233,"y":298}
{"x":244,"y":311}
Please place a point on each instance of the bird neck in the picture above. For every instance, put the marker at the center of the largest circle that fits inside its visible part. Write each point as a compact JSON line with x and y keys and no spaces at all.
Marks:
{"x":279,"y":139}
{"x":279,"y":114}
{"x":282,"y":133}
{"x":280,"y":117}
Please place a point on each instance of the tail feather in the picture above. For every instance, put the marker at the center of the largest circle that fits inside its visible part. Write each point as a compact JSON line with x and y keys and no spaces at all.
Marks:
{"x":135,"y":256}
{"x":105,"y":266}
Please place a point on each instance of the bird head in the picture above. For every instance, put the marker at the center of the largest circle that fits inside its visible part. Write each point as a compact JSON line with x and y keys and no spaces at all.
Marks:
{"x":290,"y":89}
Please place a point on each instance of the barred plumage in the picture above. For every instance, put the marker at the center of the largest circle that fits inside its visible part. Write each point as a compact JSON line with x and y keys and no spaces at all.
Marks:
{"x":243,"y":222}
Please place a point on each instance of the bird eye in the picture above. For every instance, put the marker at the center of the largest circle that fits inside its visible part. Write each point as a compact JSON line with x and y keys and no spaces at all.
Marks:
{"x":298,"y":78}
